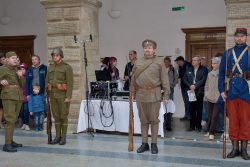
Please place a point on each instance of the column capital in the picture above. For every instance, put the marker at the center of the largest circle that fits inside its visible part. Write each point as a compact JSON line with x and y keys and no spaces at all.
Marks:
{"x":70,"y":3}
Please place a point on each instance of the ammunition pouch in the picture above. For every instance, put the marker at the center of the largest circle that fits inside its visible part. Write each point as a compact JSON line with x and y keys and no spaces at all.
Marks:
{"x":246,"y":75}
{"x":59,"y":86}
{"x":62,"y":86}
{"x":49,"y":87}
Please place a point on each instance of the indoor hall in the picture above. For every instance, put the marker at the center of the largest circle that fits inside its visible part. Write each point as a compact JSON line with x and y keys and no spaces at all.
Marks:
{"x":180,"y":28}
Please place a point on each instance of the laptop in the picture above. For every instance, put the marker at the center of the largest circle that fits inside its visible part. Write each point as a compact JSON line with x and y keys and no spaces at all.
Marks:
{"x":101,"y":75}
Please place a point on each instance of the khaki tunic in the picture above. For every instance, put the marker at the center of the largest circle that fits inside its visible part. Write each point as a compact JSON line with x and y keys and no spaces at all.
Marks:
{"x":60,"y":73}
{"x":12,"y":97}
{"x":155,"y":75}
{"x":147,"y":89}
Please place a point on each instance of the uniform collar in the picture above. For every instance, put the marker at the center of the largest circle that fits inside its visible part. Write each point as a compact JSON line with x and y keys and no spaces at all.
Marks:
{"x":10,"y":67}
{"x":240,"y":47}
{"x":61,"y":62}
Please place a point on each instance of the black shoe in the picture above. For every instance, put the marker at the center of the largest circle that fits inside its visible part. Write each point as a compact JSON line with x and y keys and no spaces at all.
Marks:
{"x":154,"y":148}
{"x":9,"y":148}
{"x":55,"y":141}
{"x":233,"y":153}
{"x":62,"y":141}
{"x":169,"y":129}
{"x":144,"y":147}
{"x":244,"y":154}
{"x":15,"y":145}
{"x":198,"y":130}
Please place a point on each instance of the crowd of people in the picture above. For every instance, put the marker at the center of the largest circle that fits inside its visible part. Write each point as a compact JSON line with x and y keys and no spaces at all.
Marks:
{"x":149,"y":79}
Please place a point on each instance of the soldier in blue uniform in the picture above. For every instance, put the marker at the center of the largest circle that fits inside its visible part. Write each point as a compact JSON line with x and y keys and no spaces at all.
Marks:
{"x":235,"y":72}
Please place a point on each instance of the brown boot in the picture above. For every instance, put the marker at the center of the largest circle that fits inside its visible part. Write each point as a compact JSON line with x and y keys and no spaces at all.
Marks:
{"x":235,"y":151}
{"x":244,"y":153}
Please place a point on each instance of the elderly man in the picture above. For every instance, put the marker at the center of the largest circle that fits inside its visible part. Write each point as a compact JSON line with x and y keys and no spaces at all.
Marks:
{"x":59,"y":82}
{"x":148,"y":76}
{"x":195,"y":79}
{"x":234,"y":69}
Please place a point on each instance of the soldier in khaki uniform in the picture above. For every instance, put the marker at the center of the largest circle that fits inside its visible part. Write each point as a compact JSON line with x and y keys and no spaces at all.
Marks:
{"x":11,"y":81}
{"x":59,"y":81}
{"x":148,"y":77}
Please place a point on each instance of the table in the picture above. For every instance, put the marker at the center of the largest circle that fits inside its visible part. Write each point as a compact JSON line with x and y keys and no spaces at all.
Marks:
{"x":120,"y":117}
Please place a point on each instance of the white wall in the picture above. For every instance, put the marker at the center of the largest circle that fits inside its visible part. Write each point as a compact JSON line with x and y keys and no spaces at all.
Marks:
{"x":28,"y":17}
{"x":154,"y":19}
{"x":139,"y":19}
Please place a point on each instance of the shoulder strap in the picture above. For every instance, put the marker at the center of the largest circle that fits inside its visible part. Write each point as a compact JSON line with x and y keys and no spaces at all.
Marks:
{"x":227,"y":58}
{"x":139,"y":70}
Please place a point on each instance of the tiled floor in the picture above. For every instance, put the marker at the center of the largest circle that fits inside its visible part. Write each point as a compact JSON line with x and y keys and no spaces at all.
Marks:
{"x":177,"y":149}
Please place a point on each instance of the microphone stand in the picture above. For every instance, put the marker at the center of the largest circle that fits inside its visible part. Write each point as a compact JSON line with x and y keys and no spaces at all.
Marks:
{"x":89,"y":130}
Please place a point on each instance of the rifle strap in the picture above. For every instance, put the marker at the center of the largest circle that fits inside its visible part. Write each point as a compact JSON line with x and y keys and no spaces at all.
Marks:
{"x":139,"y":70}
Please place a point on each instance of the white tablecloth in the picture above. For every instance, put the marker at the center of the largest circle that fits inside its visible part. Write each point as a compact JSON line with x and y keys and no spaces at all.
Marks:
{"x":120,"y":120}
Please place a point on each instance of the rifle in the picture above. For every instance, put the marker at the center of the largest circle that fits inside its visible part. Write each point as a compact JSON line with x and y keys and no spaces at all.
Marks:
{"x":225,"y":130}
{"x":49,"y":121}
{"x":131,"y":125}
{"x":224,"y":151}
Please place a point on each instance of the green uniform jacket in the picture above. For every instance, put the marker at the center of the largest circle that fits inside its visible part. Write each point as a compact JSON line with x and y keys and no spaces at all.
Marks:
{"x":11,"y":93}
{"x":60,"y":73}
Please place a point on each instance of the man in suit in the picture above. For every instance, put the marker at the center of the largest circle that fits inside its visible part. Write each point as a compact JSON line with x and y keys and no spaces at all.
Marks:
{"x":195,"y":79}
{"x":148,"y":76}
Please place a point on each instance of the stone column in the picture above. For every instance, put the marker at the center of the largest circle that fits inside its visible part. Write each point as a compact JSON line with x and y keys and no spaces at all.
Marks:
{"x":238,"y":15}
{"x":66,"y":18}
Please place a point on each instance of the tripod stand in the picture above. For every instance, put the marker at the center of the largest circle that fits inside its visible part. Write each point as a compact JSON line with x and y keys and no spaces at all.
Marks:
{"x":89,"y":130}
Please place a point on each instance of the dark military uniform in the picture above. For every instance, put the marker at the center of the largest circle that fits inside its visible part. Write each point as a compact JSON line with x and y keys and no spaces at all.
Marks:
{"x":12,"y":97}
{"x":60,"y":74}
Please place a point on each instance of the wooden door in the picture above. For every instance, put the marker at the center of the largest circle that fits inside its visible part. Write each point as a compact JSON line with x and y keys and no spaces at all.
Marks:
{"x":205,"y":42}
{"x":22,"y":45}
{"x":206,"y":51}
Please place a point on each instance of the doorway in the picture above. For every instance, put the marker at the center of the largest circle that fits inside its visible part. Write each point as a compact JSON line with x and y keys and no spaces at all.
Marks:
{"x":204,"y":42}
{"x":22,"y":45}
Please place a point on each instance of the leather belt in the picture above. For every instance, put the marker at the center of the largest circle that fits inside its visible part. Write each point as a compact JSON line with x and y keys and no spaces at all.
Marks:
{"x":10,"y":86}
{"x":236,"y":75}
{"x":147,"y":87}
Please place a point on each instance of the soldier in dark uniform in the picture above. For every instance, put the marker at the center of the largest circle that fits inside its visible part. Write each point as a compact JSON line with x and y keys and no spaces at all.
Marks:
{"x":59,"y":81}
{"x":11,"y":81}
{"x":148,"y":77}
{"x":234,"y":69}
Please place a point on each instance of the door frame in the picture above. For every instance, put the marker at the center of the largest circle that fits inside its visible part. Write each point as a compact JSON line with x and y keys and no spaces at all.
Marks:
{"x":14,"y":43}
{"x":203,"y":36}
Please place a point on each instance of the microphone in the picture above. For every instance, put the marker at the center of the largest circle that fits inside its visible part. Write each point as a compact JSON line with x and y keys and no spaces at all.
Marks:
{"x":75,"y":39}
{"x":90,"y":38}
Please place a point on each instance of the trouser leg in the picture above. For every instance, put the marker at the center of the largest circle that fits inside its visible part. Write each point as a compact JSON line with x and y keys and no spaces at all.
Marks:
{"x":144,"y":121}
